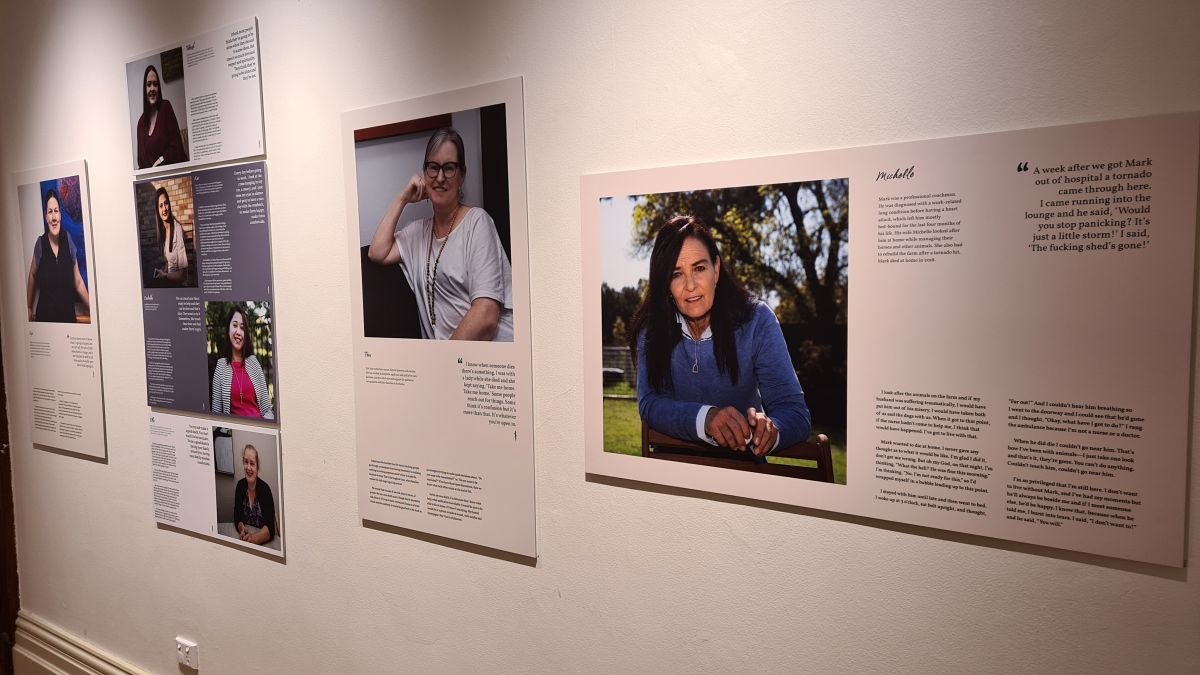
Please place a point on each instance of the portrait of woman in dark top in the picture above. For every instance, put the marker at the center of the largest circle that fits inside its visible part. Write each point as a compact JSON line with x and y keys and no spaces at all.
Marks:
{"x":54,"y":282}
{"x":253,"y":503}
{"x":159,"y":140}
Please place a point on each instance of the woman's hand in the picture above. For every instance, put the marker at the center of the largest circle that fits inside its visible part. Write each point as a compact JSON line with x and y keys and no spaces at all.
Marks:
{"x":260,"y":537}
{"x":765,"y":433}
{"x":414,"y":191}
{"x":383,"y":249}
{"x":31,"y":287}
{"x":727,"y":427}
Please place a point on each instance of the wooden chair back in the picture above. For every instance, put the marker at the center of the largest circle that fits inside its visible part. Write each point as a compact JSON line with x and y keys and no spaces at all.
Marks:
{"x":661,"y":446}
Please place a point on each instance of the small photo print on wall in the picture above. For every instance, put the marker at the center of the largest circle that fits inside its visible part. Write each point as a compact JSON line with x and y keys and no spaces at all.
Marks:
{"x":241,"y":358}
{"x":158,"y":110}
{"x":246,"y":483}
{"x":57,"y":286}
{"x":724,"y":326}
{"x":166,"y":217}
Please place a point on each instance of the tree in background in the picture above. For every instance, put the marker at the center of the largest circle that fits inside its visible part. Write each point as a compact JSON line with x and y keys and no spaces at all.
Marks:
{"x":787,"y":241}
{"x":617,"y":304}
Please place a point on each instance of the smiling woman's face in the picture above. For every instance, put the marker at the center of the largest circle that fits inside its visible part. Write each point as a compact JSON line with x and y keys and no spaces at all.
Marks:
{"x":237,"y":332}
{"x":443,"y":191}
{"x":694,"y":280}
{"x":152,"y":89}
{"x":250,"y":463}
{"x":164,"y":208}
{"x":53,"y":217}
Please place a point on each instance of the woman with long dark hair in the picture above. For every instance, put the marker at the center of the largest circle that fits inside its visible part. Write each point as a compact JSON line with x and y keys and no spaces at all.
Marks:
{"x":159,"y":141}
{"x":712,"y":364}
{"x":239,"y":386}
{"x":170,"y":239}
{"x":54,"y":281}
{"x":454,"y":261}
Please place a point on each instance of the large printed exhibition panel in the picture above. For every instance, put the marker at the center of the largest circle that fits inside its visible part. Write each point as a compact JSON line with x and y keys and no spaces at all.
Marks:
{"x":443,"y":400}
{"x":62,"y":308}
{"x":207,"y":289}
{"x":205,"y":249}
{"x":204,"y":235}
{"x":1001,"y":349}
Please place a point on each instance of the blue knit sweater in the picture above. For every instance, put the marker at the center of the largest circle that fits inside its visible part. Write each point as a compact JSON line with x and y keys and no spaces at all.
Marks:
{"x":766,"y":381}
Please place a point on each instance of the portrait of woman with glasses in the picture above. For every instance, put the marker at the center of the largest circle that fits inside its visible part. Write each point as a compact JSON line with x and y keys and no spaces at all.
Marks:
{"x":454,"y":260}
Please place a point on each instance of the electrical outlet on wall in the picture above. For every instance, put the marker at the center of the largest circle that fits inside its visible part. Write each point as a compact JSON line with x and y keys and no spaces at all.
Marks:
{"x":187,"y":652}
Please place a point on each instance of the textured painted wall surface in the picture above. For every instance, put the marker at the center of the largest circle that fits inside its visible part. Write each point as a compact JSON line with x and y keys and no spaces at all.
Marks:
{"x":629,"y":579}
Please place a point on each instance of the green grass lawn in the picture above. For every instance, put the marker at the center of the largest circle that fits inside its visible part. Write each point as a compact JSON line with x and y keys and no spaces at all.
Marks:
{"x":620,"y":389}
{"x":623,"y":434}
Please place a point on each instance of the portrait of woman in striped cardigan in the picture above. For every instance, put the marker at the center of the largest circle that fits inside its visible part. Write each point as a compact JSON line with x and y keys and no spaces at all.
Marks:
{"x":239,"y":386}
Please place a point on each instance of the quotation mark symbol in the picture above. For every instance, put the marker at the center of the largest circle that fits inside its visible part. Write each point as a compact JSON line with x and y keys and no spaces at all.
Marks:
{"x":1022,"y":166}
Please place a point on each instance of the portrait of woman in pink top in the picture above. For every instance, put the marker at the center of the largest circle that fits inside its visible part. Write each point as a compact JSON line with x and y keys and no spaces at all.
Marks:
{"x":239,"y":385}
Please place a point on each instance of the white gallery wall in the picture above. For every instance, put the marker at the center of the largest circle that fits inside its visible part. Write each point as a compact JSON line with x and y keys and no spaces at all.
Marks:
{"x":629,"y":579}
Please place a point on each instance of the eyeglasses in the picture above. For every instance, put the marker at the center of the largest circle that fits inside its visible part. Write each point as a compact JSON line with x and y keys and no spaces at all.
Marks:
{"x":449,"y":169}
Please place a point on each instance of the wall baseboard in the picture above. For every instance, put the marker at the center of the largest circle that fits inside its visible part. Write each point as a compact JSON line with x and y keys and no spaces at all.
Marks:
{"x":42,"y":647}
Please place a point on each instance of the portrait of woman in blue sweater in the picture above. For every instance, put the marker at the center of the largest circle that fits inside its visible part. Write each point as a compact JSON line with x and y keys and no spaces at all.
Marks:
{"x":712,"y":363}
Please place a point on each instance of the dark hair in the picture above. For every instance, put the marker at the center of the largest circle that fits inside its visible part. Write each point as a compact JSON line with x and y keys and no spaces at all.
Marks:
{"x":64,"y":247}
{"x":162,"y":225}
{"x":226,"y":349}
{"x":50,"y":193}
{"x":146,"y":101}
{"x":448,"y":134}
{"x":732,"y":306}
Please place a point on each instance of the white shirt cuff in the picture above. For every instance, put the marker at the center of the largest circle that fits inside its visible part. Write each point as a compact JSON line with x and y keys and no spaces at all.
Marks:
{"x":700,"y":425}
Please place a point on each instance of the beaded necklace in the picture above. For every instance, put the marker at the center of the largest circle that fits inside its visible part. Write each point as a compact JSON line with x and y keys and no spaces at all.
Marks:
{"x":431,"y":275}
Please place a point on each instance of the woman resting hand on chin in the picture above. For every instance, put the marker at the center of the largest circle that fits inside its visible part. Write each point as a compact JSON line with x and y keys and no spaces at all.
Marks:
{"x":454,"y":261}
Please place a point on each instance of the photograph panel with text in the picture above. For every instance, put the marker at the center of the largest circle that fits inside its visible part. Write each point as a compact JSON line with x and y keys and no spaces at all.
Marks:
{"x":158,"y":110}
{"x":196,"y":101}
